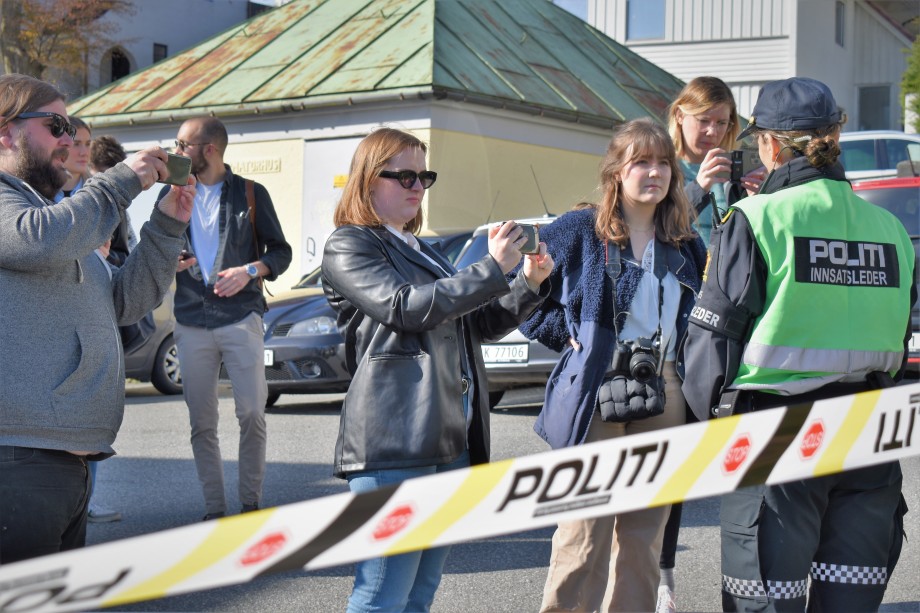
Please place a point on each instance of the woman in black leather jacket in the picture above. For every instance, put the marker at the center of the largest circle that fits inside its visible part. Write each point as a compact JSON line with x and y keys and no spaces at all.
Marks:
{"x":417,"y":403}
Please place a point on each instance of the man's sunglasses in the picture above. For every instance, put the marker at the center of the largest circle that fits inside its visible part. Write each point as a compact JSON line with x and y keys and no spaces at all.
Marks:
{"x":407,"y":178}
{"x":58,"y":125}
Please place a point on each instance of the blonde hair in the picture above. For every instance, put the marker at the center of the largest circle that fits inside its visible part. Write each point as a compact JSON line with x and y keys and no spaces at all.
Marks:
{"x":697,"y":97}
{"x":636,"y":139}
{"x":380,"y":146}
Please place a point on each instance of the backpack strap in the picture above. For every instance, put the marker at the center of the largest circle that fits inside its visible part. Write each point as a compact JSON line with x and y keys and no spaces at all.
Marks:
{"x":251,"y":202}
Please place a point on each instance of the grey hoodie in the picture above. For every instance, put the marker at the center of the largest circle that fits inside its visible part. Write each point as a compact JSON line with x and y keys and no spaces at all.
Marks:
{"x":62,"y":382}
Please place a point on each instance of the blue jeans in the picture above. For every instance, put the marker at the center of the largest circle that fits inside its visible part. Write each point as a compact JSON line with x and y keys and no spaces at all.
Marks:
{"x":406,"y":582}
{"x":43,"y":499}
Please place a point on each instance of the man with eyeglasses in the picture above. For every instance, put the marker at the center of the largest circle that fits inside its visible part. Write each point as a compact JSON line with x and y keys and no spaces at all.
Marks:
{"x":61,"y":366}
{"x":237,"y":240}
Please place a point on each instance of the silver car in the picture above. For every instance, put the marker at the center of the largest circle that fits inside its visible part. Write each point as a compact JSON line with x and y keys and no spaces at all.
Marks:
{"x":514,"y":361}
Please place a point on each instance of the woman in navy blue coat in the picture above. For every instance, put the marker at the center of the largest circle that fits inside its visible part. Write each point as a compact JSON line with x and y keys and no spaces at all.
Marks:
{"x":611,"y":563}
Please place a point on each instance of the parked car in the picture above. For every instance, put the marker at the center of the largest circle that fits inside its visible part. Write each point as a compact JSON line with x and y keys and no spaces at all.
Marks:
{"x":514,"y":361}
{"x":900,"y":196}
{"x":156,"y":360}
{"x":875,"y":154}
{"x":304,"y":352}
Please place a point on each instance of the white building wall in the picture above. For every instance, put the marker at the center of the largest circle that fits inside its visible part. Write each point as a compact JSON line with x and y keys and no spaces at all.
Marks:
{"x":881,"y":50}
{"x":744,"y":43}
{"x":819,"y":56}
{"x":178,"y":24}
{"x":749,"y":42}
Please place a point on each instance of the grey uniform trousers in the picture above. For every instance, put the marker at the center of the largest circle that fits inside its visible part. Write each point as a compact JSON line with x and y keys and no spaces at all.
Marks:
{"x":832,"y":540}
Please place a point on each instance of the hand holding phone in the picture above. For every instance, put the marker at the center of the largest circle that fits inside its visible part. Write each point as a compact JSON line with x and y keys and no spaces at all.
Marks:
{"x":178,"y":168}
{"x":532,"y":234}
{"x":185,"y":254}
{"x":744,"y":161}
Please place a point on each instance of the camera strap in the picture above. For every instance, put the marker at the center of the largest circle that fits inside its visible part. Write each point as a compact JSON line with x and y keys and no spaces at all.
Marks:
{"x":614,"y":267}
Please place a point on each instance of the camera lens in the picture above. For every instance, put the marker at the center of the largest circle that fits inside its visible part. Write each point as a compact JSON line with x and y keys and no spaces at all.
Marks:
{"x":642,"y":366}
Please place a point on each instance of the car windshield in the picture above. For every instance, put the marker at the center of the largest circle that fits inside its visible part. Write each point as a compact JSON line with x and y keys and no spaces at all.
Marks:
{"x":311,"y":279}
{"x":902,"y":202}
{"x":473,"y":251}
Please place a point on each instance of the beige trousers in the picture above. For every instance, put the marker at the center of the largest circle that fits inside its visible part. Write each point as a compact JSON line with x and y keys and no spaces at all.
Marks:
{"x":611,"y":563}
{"x":241,"y":348}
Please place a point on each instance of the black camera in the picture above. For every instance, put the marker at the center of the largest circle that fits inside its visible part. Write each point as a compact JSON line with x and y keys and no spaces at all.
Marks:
{"x":743,"y":161}
{"x":638,"y":358}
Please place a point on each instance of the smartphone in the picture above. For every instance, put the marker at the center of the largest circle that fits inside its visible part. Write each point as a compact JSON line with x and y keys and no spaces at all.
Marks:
{"x":532,"y":232}
{"x":725,"y":159}
{"x":178,"y":168}
{"x":743,"y":162}
{"x":185,"y":254}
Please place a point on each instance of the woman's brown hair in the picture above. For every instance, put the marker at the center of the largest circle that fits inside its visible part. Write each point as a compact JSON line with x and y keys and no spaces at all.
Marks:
{"x":374,"y":151}
{"x":819,"y":145}
{"x":634,"y":140}
{"x":699,"y":96}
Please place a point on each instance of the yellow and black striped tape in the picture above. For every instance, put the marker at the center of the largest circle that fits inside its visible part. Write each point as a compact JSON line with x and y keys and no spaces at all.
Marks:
{"x":603,"y":478}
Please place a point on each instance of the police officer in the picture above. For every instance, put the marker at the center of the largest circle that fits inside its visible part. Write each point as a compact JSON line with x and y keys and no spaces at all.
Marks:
{"x":807,"y":296}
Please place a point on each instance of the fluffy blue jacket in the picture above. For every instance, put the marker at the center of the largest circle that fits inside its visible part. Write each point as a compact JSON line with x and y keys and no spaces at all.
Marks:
{"x":581,"y":307}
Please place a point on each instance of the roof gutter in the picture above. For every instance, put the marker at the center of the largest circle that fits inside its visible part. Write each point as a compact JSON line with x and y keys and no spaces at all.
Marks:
{"x":426,"y":92}
{"x":249,"y":108}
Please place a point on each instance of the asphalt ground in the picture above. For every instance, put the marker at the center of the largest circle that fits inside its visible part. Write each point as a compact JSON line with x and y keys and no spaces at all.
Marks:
{"x":152,"y":481}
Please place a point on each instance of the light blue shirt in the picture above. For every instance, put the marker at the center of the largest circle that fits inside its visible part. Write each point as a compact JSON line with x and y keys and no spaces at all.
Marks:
{"x":642,"y":319}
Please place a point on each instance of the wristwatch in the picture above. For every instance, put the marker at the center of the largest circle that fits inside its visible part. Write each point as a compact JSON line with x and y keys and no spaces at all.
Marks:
{"x":252,"y":271}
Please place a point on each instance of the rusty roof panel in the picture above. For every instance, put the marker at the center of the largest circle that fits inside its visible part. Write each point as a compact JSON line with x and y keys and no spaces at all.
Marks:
{"x":636,"y":78}
{"x":347,"y":41}
{"x":467,"y":68}
{"x":492,"y":48}
{"x":422,"y":62}
{"x":502,"y":24}
{"x":592,"y":77}
{"x":122,"y":95}
{"x":444,"y":77}
{"x":245,"y":42}
{"x":386,"y":55}
{"x":528,"y":52}
{"x":316,"y":21}
{"x":580,"y":95}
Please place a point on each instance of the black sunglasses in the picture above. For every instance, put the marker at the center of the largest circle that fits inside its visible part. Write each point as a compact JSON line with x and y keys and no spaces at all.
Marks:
{"x":407,"y":178}
{"x":58,"y":126}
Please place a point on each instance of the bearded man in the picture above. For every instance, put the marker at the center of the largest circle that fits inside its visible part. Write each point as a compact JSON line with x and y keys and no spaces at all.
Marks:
{"x":61,"y":365}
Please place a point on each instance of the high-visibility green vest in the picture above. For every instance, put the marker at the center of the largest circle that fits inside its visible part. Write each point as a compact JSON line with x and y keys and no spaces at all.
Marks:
{"x":839,"y":275}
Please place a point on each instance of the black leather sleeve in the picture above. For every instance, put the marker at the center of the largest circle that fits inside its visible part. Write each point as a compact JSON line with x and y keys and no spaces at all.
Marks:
{"x":731,"y":298}
{"x":360,"y":268}
{"x":698,"y":198}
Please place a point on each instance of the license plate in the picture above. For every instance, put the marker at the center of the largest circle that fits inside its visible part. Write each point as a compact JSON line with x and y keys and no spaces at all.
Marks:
{"x":506,"y":354}
{"x":914,"y":342}
{"x":269,"y":357}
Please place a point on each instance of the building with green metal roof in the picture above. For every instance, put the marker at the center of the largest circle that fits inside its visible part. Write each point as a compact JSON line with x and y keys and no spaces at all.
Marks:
{"x":517,"y":99}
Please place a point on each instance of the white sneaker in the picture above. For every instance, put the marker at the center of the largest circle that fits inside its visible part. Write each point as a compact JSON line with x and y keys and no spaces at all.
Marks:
{"x":99,"y":515}
{"x":666,"y":602}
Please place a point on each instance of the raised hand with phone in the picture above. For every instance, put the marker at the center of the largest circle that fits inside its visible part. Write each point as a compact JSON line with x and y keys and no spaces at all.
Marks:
{"x":703,"y":122}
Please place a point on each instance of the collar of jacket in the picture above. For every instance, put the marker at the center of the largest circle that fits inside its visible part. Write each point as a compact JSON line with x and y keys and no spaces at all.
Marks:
{"x":798,"y":171}
{"x":393,"y":241}
{"x":628,"y":281}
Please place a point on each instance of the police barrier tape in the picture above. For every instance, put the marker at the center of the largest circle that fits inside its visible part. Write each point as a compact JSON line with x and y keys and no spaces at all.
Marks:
{"x":624,"y":474}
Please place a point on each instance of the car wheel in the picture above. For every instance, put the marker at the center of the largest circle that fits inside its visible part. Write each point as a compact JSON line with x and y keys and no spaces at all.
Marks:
{"x":495,"y":398}
{"x":166,"y":376}
{"x":272,"y":399}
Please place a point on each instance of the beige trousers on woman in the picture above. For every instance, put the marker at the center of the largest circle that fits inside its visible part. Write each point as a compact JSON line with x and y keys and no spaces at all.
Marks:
{"x":611,"y":563}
